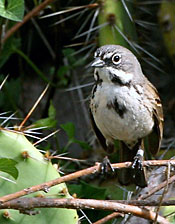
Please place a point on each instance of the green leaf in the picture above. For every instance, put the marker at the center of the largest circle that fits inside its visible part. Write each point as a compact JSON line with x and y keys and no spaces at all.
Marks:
{"x":33,"y":170}
{"x":49,"y":122}
{"x":69,"y":128}
{"x":84,"y":145}
{"x":62,"y":75}
{"x":9,"y":97}
{"x":46,"y":122}
{"x":52,"y":111}
{"x":8,"y":166}
{"x":91,"y":191}
{"x":68,"y":53}
{"x":12,"y":9}
{"x":84,"y":190}
{"x":62,"y":71}
{"x":75,"y":189}
{"x":8,"y":49}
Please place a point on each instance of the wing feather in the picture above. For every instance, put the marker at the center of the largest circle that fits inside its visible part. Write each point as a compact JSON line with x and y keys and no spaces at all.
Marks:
{"x":155,"y":138}
{"x":98,"y":133}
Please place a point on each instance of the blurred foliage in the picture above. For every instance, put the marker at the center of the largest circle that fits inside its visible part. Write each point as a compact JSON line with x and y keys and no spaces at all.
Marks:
{"x":69,"y":128}
{"x":167,"y":24}
{"x":50,"y":121}
{"x":9,"y":97}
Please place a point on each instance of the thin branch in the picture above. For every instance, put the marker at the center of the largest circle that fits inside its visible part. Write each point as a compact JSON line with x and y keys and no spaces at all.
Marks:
{"x":36,"y":202}
{"x":91,"y":170}
{"x":28,"y":16}
{"x":72,"y":203}
{"x":108,"y":218}
{"x":163,"y":194}
{"x":158,"y":188}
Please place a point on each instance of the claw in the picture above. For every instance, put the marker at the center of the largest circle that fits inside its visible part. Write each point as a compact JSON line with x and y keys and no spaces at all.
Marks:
{"x":105,"y":166}
{"x":138,"y":169}
{"x":138,"y":160}
{"x":138,"y":163}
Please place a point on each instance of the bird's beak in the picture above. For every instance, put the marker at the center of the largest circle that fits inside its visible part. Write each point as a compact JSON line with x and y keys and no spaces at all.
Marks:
{"x":97,"y":63}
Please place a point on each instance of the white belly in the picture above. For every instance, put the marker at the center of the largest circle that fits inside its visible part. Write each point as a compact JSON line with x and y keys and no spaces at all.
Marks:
{"x":137,"y":121}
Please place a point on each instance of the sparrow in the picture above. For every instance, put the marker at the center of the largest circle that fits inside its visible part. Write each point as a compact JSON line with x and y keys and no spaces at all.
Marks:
{"x":125,"y":106}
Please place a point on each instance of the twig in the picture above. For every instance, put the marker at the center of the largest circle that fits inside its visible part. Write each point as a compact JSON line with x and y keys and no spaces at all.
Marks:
{"x":72,"y":203}
{"x":84,"y":172}
{"x":108,"y":217}
{"x":164,"y":192}
{"x":158,"y":188}
{"x":27,"y":17}
{"x":35,"y":202}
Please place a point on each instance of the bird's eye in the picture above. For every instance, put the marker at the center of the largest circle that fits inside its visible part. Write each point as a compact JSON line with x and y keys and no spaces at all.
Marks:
{"x":116,"y":58}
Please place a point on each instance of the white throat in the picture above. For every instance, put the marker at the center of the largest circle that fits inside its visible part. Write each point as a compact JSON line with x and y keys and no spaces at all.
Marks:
{"x":105,"y":74}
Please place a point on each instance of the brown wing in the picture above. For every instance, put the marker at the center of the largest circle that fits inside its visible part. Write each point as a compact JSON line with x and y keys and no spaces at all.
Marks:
{"x":155,"y":137}
{"x":99,"y":135}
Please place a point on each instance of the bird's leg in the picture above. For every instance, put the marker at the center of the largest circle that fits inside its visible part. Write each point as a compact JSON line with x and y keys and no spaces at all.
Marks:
{"x":138,"y":159}
{"x":139,"y":172}
{"x":105,"y":166}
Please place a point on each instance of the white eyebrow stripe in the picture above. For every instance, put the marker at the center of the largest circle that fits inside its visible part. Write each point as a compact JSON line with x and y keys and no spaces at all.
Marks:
{"x":108,"y":55}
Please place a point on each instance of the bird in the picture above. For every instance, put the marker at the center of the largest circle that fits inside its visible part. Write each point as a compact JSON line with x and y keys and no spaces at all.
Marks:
{"x":125,"y":107}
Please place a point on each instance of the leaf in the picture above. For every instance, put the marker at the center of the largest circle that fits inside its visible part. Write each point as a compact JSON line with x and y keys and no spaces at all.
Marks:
{"x":8,"y":49}
{"x":84,"y":190}
{"x":8,"y":166}
{"x":9,"y":97}
{"x":75,"y":189}
{"x":52,"y":111}
{"x":12,"y":9}
{"x":68,"y":53}
{"x":84,"y":145}
{"x":62,"y":75}
{"x":49,"y":122}
{"x":33,"y":170}
{"x":69,"y":128}
{"x":91,"y":191}
{"x":46,"y":122}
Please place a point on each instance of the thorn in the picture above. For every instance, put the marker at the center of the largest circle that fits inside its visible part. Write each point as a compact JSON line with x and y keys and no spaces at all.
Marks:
{"x":126,"y":39}
{"x":92,"y":23}
{"x":91,"y":30}
{"x":43,"y":139}
{"x":4,"y":82}
{"x":8,"y":118}
{"x":5,"y":178}
{"x":127,"y":10}
{"x":65,"y":19}
{"x":33,"y":108}
{"x":70,"y":10}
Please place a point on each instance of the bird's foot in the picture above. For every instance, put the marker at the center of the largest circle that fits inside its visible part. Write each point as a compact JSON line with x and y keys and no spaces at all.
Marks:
{"x":105,"y":166}
{"x":139,"y":175}
{"x":138,"y":160}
